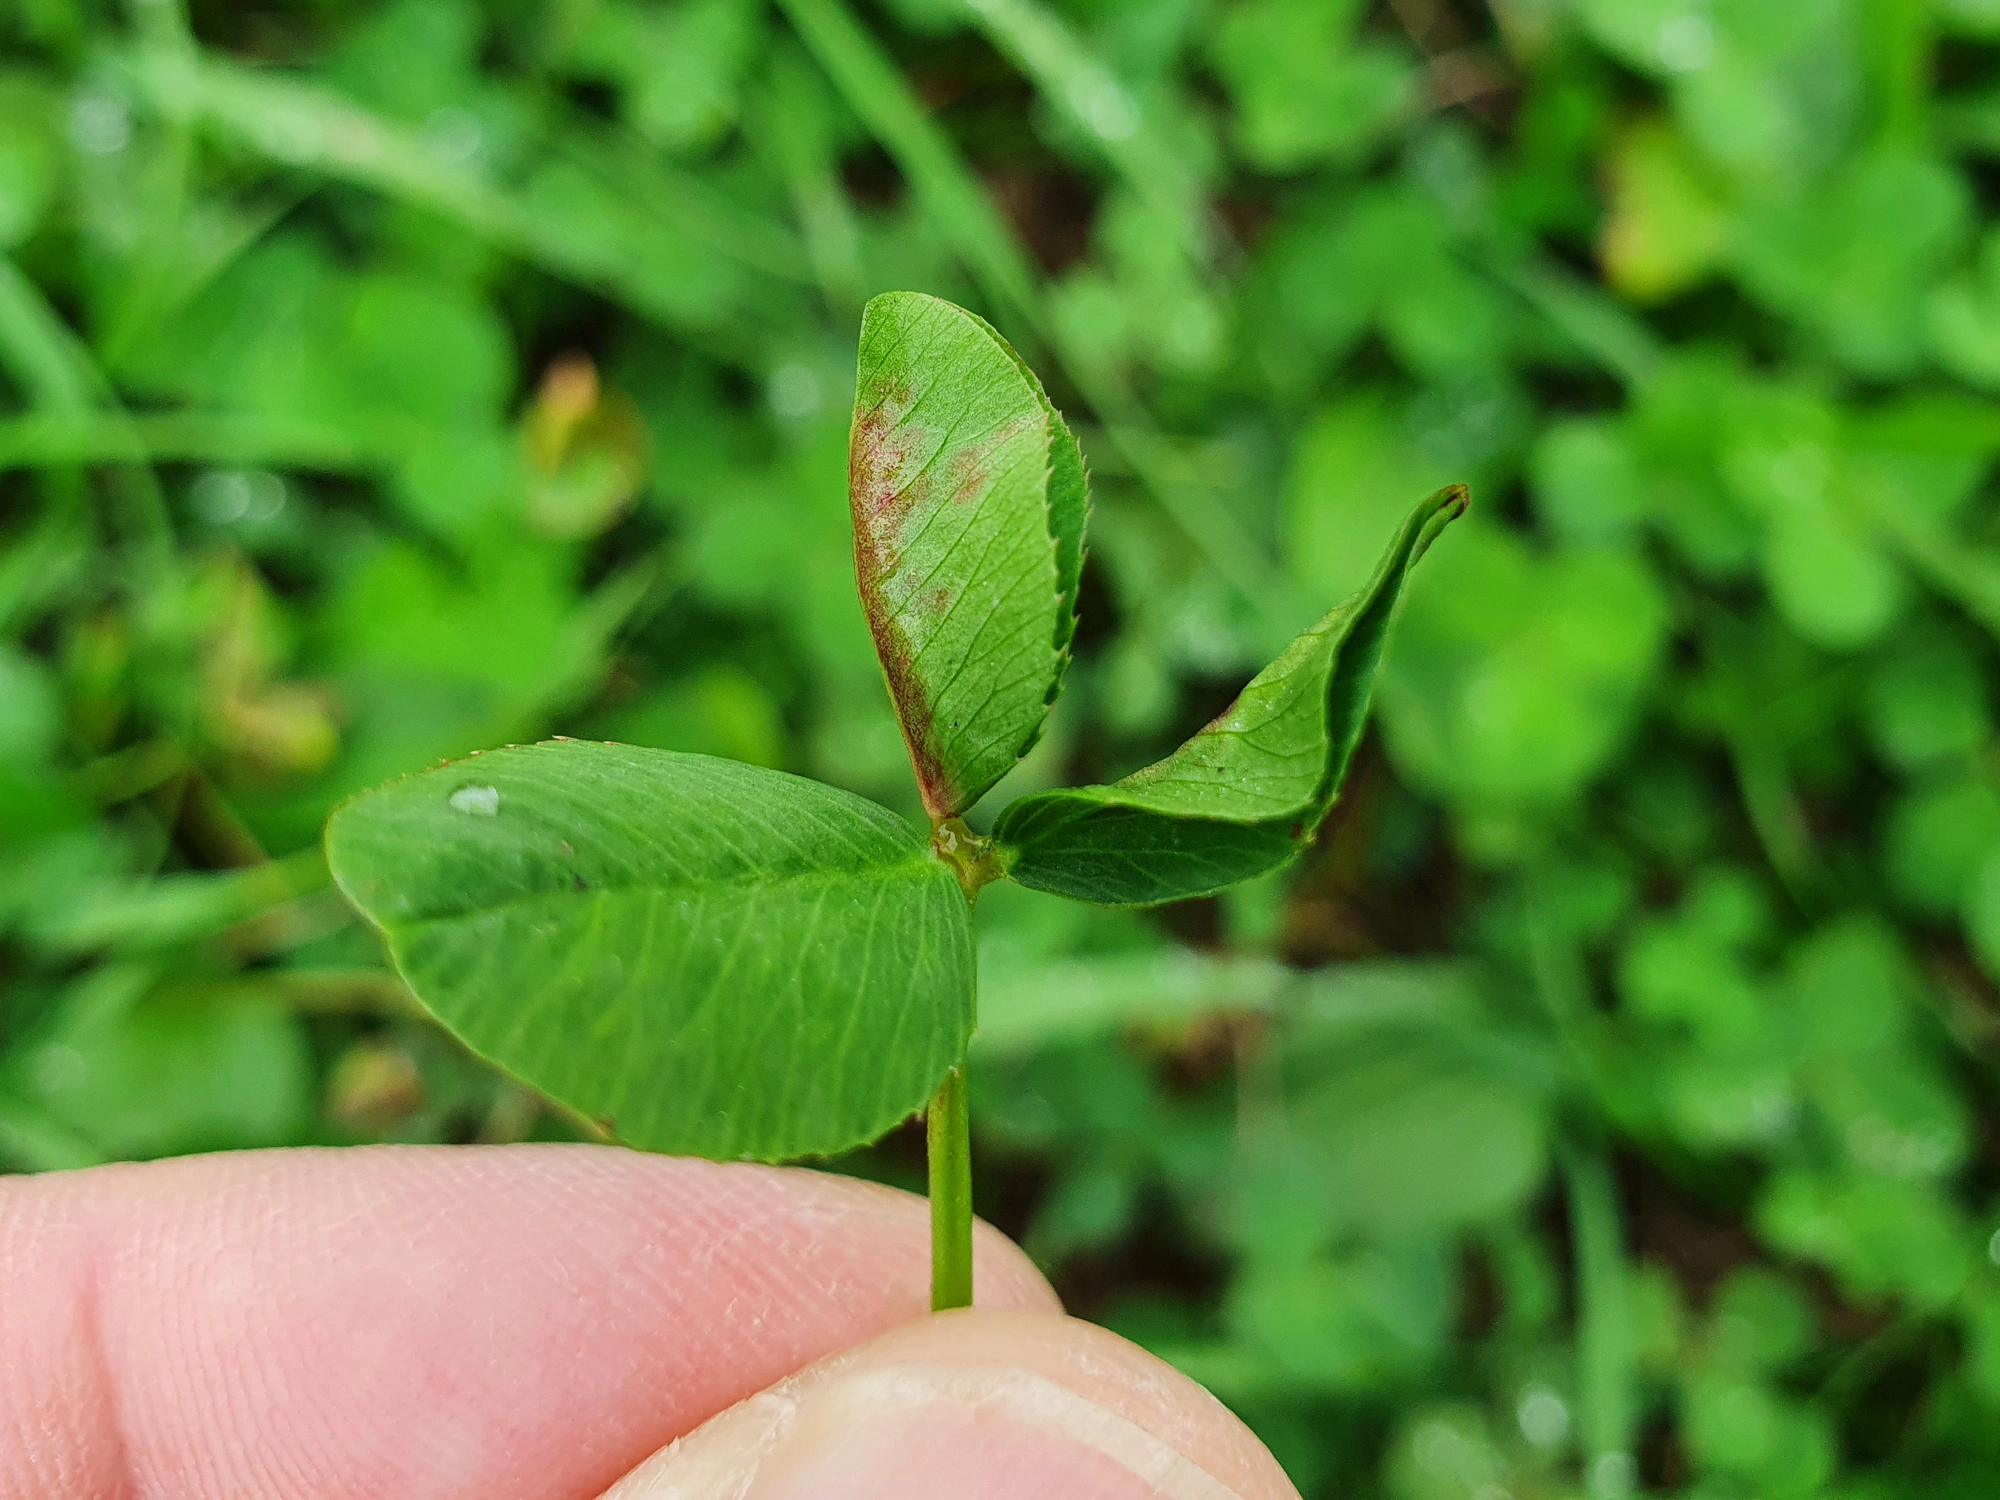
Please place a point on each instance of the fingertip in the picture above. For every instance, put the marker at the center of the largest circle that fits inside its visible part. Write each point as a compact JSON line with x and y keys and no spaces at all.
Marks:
{"x":981,"y":1405}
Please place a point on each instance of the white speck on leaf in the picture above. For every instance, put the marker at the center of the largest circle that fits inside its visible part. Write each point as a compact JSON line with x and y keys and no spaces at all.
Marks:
{"x":479,"y":801}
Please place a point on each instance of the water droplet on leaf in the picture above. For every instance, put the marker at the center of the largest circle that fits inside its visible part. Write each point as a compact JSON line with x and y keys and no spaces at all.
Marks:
{"x":479,"y":801}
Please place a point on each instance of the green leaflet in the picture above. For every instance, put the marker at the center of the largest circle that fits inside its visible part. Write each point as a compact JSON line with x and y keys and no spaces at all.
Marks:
{"x":1247,"y":792}
{"x":710,"y":957}
{"x":969,"y":499}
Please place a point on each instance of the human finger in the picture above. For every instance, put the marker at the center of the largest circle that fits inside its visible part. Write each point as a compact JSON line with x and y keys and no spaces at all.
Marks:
{"x":425,"y":1322}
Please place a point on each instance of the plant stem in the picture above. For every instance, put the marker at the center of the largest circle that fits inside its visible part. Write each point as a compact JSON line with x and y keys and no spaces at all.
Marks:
{"x":949,"y":1129}
{"x":949,"y":1125}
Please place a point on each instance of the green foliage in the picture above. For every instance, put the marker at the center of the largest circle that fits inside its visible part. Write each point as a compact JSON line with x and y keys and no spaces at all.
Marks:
{"x":381,"y":380}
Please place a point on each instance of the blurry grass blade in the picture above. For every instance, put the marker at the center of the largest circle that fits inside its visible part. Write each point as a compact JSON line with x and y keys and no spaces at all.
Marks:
{"x":130,"y":771}
{"x":1367,"y":993}
{"x":1078,"y":84}
{"x":709,"y":957}
{"x":682,"y":203}
{"x":1606,"y":1346}
{"x":174,"y":909}
{"x":793,"y":123}
{"x":39,"y":350}
{"x":1193,"y":504}
{"x":1244,"y":794}
{"x":59,"y":375}
{"x":1616,"y":339}
{"x":330,"y":992}
{"x":1776,"y":813}
{"x":87,"y":438}
{"x":305,"y":125}
{"x":596,"y":622}
{"x":955,"y":199}
{"x":148,"y":289}
{"x":29,"y":153}
{"x":968,"y":503}
{"x":196,"y":259}
{"x":1023,"y":1008}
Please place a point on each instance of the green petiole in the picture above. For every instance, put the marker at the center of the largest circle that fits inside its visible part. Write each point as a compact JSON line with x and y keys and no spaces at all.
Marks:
{"x":948,"y":1127}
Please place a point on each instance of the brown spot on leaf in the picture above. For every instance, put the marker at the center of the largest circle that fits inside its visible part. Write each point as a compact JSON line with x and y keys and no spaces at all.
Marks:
{"x":971,"y":467}
{"x":878,"y":452}
{"x":882,"y":494}
{"x":890,"y":485}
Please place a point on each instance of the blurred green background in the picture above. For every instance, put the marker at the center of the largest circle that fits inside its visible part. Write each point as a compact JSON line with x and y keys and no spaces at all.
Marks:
{"x":1607,"y":1106}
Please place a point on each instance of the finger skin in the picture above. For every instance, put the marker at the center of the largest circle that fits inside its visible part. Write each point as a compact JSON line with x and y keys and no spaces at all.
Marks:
{"x":425,"y":1323}
{"x":978,"y":1405}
